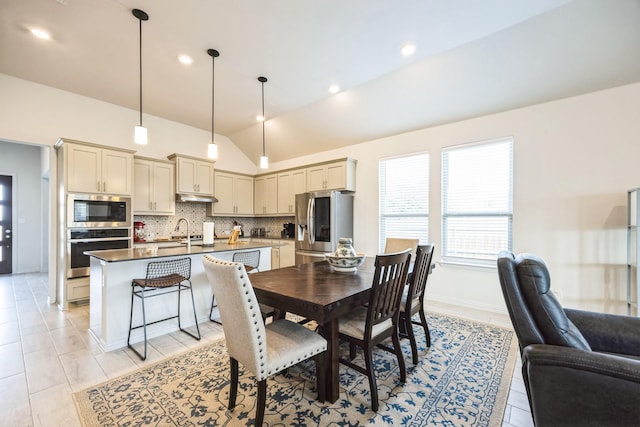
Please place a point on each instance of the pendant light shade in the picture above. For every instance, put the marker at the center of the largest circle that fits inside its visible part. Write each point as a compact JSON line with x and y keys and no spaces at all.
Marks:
{"x":264,"y":160}
{"x":140,"y":132}
{"x":212,"y":150}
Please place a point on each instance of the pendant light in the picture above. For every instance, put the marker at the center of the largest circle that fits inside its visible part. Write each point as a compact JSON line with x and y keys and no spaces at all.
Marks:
{"x":140,"y":132}
{"x":212,"y":151}
{"x":264,"y":160}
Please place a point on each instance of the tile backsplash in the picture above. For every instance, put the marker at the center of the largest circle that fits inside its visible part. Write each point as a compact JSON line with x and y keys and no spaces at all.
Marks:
{"x":195,"y":213}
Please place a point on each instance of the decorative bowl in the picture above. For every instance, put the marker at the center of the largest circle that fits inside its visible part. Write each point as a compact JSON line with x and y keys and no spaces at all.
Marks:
{"x":345,"y":264}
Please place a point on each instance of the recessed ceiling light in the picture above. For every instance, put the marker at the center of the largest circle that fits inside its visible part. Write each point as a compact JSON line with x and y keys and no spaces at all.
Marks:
{"x":408,"y":49}
{"x":41,"y":34}
{"x":185,"y":59}
{"x":260,"y":118}
{"x":334,"y":88}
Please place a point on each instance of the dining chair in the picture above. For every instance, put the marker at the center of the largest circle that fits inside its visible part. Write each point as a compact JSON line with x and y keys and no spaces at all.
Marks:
{"x":368,"y":326}
{"x":264,"y":350}
{"x":413,"y":299}
{"x":397,"y":244}
{"x":251,"y":262}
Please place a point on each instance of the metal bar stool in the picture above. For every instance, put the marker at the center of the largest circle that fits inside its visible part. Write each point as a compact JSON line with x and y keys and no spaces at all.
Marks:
{"x":163,"y":277}
{"x":251,"y":261}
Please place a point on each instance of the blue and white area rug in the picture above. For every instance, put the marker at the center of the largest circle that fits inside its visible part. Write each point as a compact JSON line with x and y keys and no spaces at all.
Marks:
{"x":462,"y":380}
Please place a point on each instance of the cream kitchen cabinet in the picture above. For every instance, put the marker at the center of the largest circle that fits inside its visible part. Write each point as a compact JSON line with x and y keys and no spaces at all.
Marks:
{"x":287,"y":253}
{"x":234,"y":193}
{"x":193,"y":175}
{"x":266,"y":195}
{"x":96,"y":169}
{"x":290,"y":183}
{"x":339,"y":175}
{"x":153,"y":187}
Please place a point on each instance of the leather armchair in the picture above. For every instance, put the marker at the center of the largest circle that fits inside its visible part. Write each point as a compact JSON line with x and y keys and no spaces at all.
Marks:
{"x":580,"y":368}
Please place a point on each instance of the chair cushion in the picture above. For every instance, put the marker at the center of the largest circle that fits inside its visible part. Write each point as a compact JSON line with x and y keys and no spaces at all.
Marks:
{"x":289,"y":343}
{"x":403,"y":303}
{"x":352,"y":324}
{"x":548,"y":314}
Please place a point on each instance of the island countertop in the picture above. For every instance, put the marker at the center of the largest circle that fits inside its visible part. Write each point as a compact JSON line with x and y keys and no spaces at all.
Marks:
{"x":131,"y":254}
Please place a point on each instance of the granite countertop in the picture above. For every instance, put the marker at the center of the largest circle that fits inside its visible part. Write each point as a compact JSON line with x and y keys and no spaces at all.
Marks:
{"x":132,"y":254}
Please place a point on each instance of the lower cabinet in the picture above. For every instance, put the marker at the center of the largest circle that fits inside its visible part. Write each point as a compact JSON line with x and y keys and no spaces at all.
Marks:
{"x":283,"y":252}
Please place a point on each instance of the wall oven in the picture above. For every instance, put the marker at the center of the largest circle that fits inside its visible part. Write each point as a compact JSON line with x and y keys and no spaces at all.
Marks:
{"x":98,"y":211}
{"x":80,"y":240}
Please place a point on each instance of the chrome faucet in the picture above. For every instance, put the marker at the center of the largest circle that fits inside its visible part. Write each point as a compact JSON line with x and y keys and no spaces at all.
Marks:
{"x":188,"y":231}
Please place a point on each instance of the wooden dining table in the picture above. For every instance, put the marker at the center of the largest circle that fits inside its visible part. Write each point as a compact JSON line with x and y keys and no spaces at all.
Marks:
{"x":316,"y":292}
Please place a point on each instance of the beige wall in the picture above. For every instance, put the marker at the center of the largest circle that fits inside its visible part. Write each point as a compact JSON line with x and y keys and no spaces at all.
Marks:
{"x":574,"y":160}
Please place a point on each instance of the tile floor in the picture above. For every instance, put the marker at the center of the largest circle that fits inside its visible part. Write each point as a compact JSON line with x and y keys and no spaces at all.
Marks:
{"x":47,"y":354}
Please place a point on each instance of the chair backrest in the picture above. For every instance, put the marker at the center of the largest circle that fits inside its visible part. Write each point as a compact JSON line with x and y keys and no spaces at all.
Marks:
{"x":419,"y":275}
{"x":386,"y":291}
{"x":250,"y":259}
{"x":397,"y":244}
{"x":179,"y":266}
{"x":240,"y":313}
{"x":536,"y":314}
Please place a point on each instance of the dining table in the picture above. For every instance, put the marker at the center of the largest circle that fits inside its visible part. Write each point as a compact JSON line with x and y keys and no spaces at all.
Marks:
{"x":315,"y":291}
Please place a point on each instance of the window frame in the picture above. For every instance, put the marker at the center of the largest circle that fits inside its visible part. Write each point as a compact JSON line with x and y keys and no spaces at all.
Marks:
{"x":497,"y":214}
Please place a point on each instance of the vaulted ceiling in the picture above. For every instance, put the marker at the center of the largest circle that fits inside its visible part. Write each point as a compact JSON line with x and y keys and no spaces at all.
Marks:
{"x":472,"y":58}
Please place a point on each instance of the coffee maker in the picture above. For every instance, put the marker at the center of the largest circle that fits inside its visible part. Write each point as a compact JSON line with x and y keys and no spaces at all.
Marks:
{"x":289,"y":230}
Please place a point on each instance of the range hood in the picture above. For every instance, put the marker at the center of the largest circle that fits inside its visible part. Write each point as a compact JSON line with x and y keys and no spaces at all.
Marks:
{"x":195,"y":198}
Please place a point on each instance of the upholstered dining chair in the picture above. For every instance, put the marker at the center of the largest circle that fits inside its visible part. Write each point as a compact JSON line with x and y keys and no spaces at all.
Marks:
{"x":368,"y":326}
{"x":251,"y":262}
{"x":264,"y":350}
{"x":413,"y":299}
{"x":398,"y":244}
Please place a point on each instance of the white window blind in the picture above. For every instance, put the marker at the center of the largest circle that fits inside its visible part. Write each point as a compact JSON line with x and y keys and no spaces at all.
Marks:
{"x":477,"y":201}
{"x":404,"y":198}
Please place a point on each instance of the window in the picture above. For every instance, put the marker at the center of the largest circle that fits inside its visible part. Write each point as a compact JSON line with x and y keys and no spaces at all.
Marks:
{"x":404,"y":198}
{"x":477,"y":201}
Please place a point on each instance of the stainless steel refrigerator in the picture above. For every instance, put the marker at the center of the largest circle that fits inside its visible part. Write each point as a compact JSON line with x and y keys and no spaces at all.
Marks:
{"x":322,"y":217}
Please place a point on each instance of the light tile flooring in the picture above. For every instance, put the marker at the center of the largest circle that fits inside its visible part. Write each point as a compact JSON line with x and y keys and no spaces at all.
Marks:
{"x":47,"y":354}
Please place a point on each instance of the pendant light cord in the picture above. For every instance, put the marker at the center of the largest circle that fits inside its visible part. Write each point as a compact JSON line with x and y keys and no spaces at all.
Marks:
{"x":140,"y":44}
{"x":213,"y":85}
{"x":263,"y":119}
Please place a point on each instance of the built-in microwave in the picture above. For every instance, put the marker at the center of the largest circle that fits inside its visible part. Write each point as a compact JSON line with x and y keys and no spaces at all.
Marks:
{"x":97,"y":211}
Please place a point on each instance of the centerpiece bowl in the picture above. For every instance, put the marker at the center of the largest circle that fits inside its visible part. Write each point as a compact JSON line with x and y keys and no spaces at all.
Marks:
{"x":345,"y":264}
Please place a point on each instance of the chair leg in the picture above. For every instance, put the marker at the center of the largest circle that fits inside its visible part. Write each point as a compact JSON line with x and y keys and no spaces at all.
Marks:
{"x":373,"y":386}
{"x":195,"y":317}
{"x":425,"y":326}
{"x":144,"y":326}
{"x":213,"y":304}
{"x":352,"y":351}
{"x":408,"y":325}
{"x":262,"y":402}
{"x":398,"y":349}
{"x":233,"y":386}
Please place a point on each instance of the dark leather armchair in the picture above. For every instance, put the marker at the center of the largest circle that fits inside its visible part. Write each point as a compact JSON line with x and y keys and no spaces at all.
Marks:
{"x":580,"y":368}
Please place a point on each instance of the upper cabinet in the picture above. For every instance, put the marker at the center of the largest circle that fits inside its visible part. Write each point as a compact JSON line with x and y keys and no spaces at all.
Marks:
{"x":193,"y":175}
{"x":234,"y":193}
{"x":266,"y":195}
{"x":96,"y":169}
{"x":339,"y":175}
{"x":290,"y":183}
{"x":154,"y":187}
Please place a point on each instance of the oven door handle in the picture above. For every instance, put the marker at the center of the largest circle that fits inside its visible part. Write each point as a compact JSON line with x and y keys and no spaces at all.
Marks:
{"x":106,"y":239}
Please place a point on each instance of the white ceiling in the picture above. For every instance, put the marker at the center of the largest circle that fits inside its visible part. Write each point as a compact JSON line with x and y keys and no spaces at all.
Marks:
{"x":473,"y":58}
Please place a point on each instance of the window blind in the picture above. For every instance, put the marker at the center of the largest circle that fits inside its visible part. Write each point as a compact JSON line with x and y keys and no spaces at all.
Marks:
{"x":404,"y":198}
{"x":477,"y":201}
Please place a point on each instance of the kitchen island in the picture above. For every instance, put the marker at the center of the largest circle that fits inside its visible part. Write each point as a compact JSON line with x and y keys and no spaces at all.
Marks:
{"x":110,"y":290}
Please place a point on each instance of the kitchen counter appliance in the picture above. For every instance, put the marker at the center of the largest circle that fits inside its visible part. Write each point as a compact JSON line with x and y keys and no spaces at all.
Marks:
{"x":322,"y":217}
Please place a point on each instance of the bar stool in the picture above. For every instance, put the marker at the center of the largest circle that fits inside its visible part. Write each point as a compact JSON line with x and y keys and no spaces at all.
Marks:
{"x":163,"y":277}
{"x":251,"y":262}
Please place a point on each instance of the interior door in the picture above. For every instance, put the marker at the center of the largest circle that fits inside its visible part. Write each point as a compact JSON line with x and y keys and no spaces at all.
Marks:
{"x":6,"y":208}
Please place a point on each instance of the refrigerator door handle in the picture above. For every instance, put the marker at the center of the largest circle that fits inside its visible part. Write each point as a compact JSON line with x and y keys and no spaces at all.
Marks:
{"x":311,"y":215}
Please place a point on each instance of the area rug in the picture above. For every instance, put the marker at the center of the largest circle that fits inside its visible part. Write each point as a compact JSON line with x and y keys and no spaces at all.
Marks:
{"x":463,"y":379}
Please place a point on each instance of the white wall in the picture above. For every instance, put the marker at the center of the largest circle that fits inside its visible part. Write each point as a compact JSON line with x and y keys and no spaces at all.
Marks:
{"x":39,"y":114}
{"x":23,"y":163}
{"x":574,"y":160}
